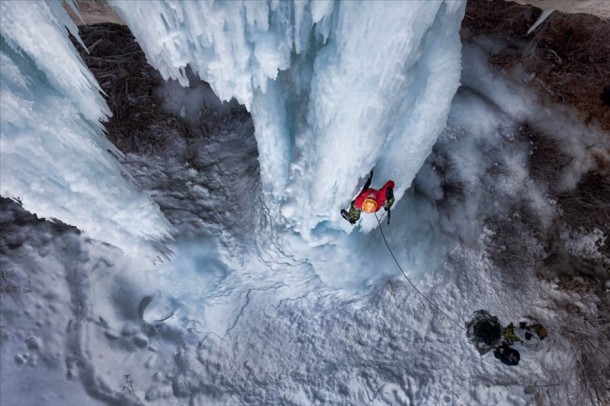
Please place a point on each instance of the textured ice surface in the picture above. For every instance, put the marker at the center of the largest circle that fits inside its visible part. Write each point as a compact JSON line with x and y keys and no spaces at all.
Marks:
{"x":325,"y":321}
{"x":54,"y":156}
{"x":335,"y":89}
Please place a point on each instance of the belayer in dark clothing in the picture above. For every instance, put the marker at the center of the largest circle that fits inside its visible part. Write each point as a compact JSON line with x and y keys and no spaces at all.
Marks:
{"x":370,"y":200}
{"x":507,"y":355}
{"x":486,"y":333}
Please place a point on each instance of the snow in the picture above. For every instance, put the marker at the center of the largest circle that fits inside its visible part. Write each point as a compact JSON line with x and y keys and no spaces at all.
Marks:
{"x":269,"y":296}
{"x":586,"y":245}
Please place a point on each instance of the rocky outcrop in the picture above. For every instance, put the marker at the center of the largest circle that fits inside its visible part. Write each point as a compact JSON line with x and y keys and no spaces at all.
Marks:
{"x":98,"y":11}
{"x":93,"y":12}
{"x":599,"y":8}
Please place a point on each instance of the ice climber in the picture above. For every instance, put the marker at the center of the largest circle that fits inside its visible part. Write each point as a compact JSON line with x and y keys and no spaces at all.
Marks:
{"x":370,"y":201}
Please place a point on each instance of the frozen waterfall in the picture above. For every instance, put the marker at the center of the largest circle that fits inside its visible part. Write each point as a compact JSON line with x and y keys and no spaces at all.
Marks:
{"x":270,"y":297}
{"x":334,"y":88}
{"x":54,"y":156}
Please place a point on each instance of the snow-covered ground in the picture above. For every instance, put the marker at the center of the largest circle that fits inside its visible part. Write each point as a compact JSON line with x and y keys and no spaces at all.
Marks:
{"x":252,"y":308}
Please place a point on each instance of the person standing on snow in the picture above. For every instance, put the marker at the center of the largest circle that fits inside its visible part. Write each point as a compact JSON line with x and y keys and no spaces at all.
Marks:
{"x":486,"y":333}
{"x":370,"y":201}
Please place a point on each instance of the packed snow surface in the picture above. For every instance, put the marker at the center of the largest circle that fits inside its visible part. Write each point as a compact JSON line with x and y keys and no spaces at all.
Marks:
{"x":267,"y":299}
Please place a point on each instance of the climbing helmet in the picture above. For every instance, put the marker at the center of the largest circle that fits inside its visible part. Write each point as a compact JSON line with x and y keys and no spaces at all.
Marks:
{"x":369,"y":205}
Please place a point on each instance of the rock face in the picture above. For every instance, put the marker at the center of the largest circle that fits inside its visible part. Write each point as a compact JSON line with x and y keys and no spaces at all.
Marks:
{"x":93,"y":12}
{"x":599,"y":8}
{"x":554,"y":58}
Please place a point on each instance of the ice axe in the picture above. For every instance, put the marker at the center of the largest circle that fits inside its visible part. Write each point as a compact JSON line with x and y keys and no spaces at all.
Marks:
{"x":389,"y":195}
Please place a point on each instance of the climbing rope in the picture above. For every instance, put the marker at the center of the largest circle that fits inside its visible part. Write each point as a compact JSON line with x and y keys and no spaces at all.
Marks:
{"x":409,"y":280}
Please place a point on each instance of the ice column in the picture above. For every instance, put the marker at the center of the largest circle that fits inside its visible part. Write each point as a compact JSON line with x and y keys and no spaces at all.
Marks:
{"x":334,"y":88}
{"x":54,"y":156}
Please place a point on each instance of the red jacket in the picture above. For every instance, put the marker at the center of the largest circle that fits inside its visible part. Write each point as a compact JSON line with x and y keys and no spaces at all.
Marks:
{"x":378,"y":195}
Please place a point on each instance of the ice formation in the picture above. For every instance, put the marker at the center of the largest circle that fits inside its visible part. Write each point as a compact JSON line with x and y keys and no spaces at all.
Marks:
{"x":54,"y":156}
{"x":334,"y":88}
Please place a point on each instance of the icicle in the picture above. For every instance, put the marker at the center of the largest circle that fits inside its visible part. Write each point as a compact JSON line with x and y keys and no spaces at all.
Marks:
{"x":545,"y":14}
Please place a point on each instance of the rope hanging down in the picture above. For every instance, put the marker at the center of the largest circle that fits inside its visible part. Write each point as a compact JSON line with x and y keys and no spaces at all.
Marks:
{"x":409,"y":280}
